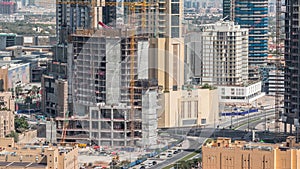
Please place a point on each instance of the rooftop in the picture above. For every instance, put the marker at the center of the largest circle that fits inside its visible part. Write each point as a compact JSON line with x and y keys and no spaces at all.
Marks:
{"x":223,"y":142}
{"x":22,"y":164}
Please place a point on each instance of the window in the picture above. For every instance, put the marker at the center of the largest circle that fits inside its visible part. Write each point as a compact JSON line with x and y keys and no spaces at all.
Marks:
{"x":175,"y":32}
{"x":175,"y":8}
{"x":95,"y":125}
{"x":175,"y":20}
{"x":203,"y":121}
{"x":94,"y":114}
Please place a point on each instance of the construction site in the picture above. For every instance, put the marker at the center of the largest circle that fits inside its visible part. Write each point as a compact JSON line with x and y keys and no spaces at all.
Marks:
{"x":110,"y":99}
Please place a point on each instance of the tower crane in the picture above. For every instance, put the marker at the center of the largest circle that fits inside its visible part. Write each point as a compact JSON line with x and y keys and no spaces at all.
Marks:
{"x":132,"y":7}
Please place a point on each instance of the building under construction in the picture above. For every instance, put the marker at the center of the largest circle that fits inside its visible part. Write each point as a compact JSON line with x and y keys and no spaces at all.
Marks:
{"x":109,"y":90}
{"x":8,"y":7}
{"x":110,"y":100}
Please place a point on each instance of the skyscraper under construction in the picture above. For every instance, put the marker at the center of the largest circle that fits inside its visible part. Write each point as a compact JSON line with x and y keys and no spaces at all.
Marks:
{"x":99,"y":88}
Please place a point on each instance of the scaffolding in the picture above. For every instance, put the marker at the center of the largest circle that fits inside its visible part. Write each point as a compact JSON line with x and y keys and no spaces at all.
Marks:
{"x":90,"y":87}
{"x":88,"y":65}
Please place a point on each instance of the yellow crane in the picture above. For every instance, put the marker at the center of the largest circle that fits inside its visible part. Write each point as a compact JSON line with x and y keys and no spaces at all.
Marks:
{"x":132,"y":7}
{"x":93,"y":3}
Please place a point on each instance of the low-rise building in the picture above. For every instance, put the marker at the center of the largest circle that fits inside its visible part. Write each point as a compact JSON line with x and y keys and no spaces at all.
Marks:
{"x":222,"y":153}
{"x":55,"y":96}
{"x":189,"y":107}
{"x":7,"y":39}
{"x":247,"y":93}
{"x":7,"y":108}
{"x":17,"y":156}
{"x":12,"y":75}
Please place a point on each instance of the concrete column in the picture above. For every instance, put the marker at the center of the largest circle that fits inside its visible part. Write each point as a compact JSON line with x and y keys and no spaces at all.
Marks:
{"x":112,"y":127}
{"x":285,"y":127}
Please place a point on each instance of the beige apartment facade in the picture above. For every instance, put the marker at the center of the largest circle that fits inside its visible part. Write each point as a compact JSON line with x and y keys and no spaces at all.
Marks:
{"x":7,"y":108}
{"x":188,"y":107}
{"x":223,"y":154}
{"x":12,"y":75}
{"x":37,"y":156}
{"x":166,"y":62}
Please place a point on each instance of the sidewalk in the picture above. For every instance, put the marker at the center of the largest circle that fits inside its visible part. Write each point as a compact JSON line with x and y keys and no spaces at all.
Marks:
{"x":270,"y":126}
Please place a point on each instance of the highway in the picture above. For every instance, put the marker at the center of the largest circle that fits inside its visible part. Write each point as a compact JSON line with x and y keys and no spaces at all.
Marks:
{"x":208,"y":131}
{"x":252,"y":125}
{"x":194,"y":144}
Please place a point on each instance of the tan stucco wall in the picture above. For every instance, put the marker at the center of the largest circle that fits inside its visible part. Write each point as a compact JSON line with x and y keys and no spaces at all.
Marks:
{"x":222,"y":154}
{"x":164,"y":65}
{"x":208,"y":106}
{"x":4,"y":77}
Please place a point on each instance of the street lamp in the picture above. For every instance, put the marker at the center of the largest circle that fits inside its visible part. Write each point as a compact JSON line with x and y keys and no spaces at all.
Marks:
{"x":248,"y":111}
{"x":231,"y":121}
{"x":263,"y":109}
{"x":233,"y":108}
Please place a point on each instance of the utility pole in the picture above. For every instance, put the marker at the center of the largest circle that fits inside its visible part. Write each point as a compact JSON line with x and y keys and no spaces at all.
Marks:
{"x":231,"y":122}
{"x":265,"y":119}
{"x":248,"y":120}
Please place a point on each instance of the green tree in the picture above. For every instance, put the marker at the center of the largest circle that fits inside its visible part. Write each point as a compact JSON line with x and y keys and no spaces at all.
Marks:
{"x":206,"y":86}
{"x":21,"y":123}
{"x":28,"y":100}
{"x":18,"y":90}
{"x":35,"y":90}
{"x":15,"y":135}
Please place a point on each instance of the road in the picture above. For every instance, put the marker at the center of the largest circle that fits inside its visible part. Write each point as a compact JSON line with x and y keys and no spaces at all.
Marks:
{"x":193,"y":145}
{"x":196,"y":143}
{"x":252,"y":125}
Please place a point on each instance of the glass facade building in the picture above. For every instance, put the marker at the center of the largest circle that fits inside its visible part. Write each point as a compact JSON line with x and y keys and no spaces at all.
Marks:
{"x":251,"y":14}
{"x":292,"y":65}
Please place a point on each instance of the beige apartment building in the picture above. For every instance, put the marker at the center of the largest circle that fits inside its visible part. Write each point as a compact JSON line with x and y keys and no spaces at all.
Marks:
{"x":16,"y":156}
{"x":13,"y":75}
{"x":191,"y":106}
{"x":224,"y":154}
{"x":7,"y":108}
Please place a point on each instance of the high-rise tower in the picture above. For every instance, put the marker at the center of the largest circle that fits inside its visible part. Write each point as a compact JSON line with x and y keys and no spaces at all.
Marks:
{"x":217,"y":55}
{"x":166,"y":57}
{"x":292,"y":64}
{"x":251,"y":14}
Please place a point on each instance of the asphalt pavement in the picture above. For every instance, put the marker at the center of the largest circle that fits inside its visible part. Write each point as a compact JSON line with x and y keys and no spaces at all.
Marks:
{"x":208,"y":131}
{"x":195,"y":143}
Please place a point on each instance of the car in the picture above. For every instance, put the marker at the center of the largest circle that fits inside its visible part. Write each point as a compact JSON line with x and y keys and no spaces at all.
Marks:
{"x":142,"y":167}
{"x":154,"y":162}
{"x":169,"y":155}
{"x":175,"y":152}
{"x":149,"y":164}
